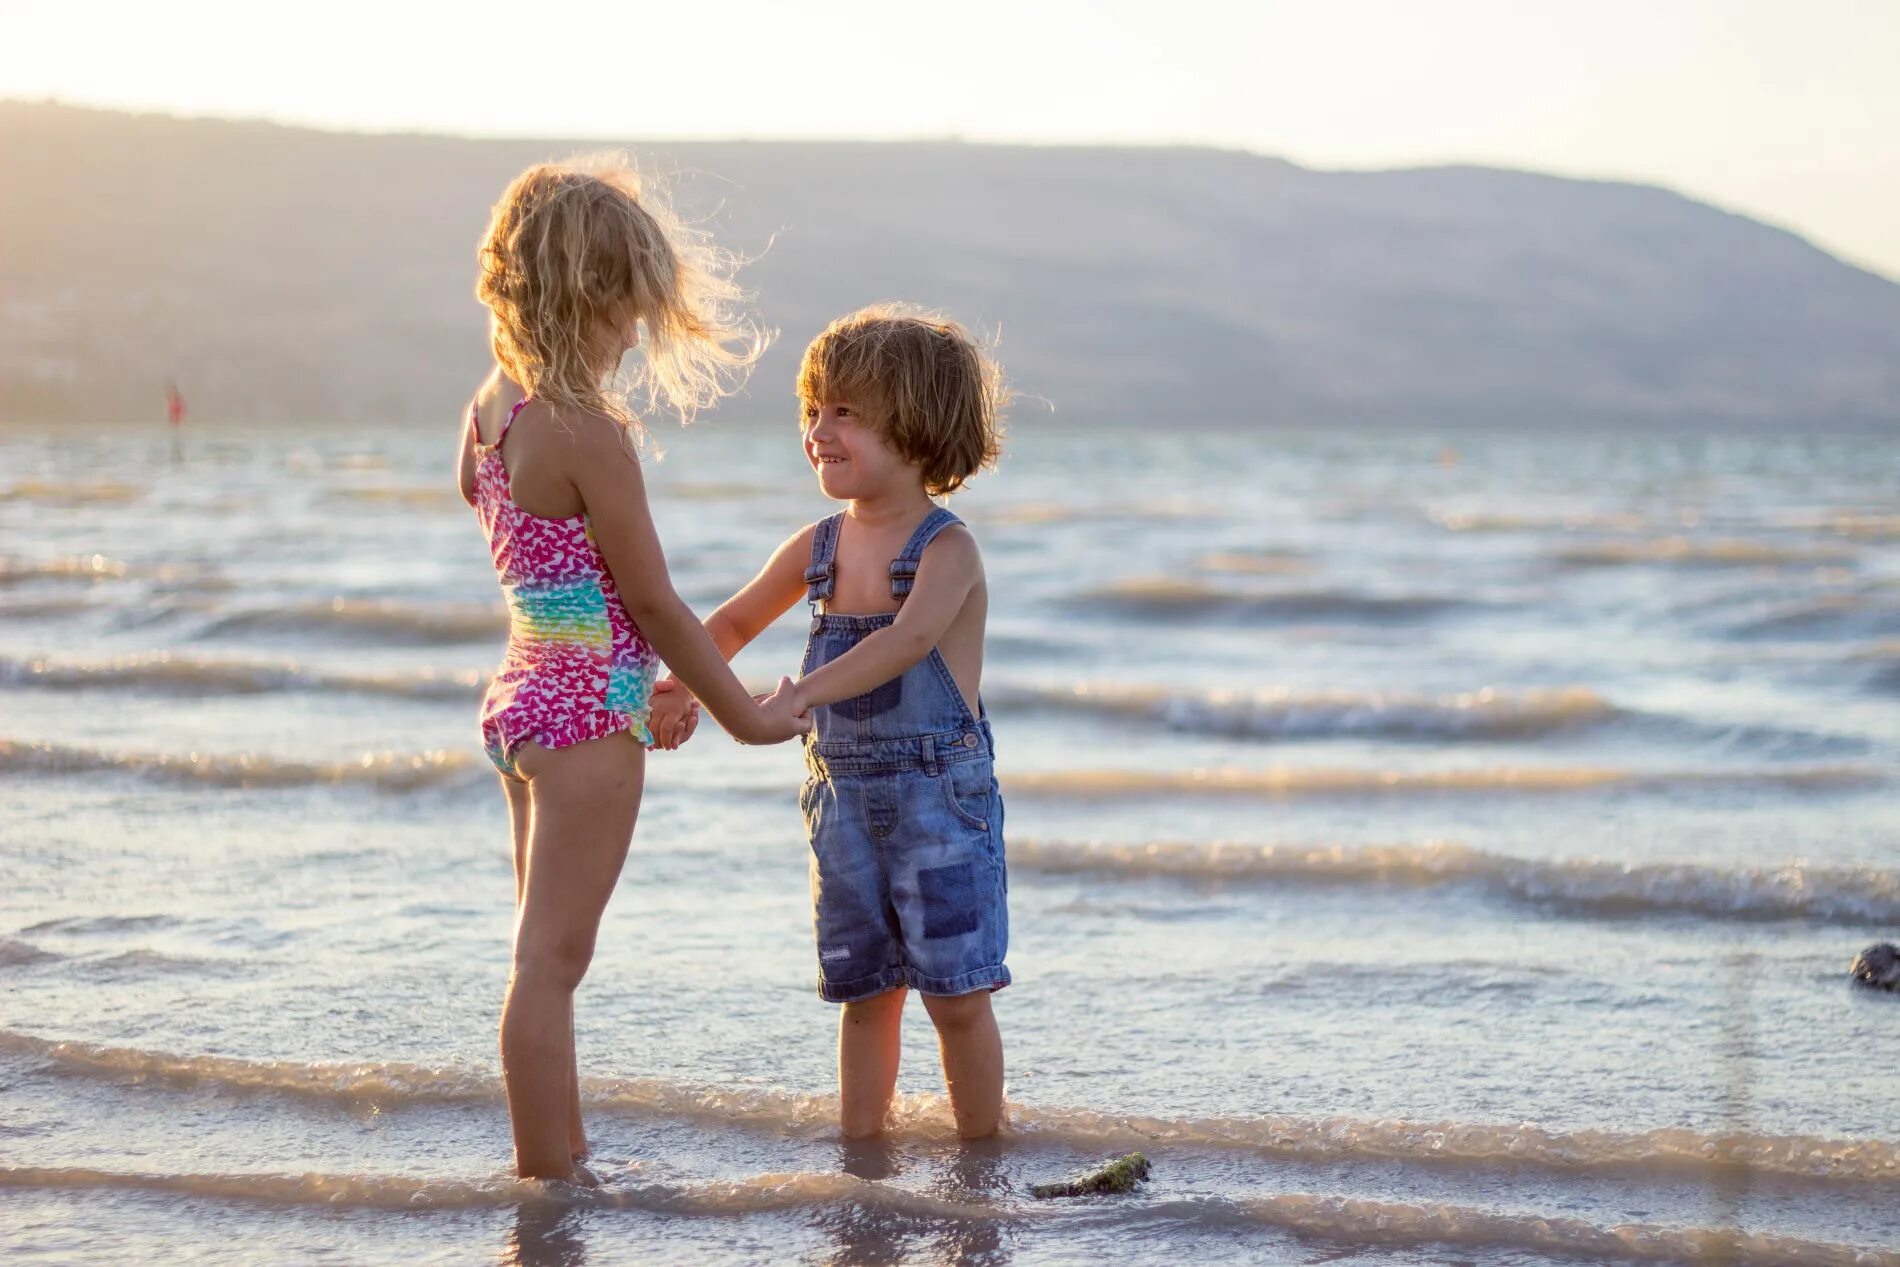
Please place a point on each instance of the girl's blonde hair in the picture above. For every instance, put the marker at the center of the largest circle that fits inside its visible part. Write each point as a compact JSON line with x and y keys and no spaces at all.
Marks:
{"x":935,"y":393}
{"x":576,"y":253}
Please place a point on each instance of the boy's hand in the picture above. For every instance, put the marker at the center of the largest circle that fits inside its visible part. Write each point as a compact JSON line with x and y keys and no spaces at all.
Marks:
{"x":674,"y":715}
{"x":780,"y":716}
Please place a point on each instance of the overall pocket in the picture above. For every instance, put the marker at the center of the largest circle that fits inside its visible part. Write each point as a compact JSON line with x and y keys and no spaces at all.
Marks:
{"x":968,"y":787}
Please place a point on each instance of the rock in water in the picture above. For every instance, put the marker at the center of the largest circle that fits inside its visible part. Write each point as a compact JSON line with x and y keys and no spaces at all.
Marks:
{"x":1120,"y":1175}
{"x":1878,"y":966}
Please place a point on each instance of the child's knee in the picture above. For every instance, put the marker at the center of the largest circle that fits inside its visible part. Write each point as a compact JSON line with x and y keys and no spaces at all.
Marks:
{"x":958,"y":1013}
{"x":877,"y":1009}
{"x":557,"y":961}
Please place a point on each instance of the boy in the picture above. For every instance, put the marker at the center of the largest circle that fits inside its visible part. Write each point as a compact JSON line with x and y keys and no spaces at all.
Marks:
{"x":902,"y":808}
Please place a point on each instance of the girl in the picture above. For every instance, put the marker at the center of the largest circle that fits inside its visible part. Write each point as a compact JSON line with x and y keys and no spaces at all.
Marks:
{"x":577,"y":263}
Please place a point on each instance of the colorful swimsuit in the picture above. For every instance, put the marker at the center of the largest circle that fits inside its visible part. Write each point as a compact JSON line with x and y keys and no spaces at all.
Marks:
{"x":577,"y":668}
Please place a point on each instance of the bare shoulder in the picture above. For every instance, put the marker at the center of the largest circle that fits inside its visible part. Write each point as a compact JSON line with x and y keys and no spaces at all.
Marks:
{"x":591,"y":439}
{"x":956,"y":547}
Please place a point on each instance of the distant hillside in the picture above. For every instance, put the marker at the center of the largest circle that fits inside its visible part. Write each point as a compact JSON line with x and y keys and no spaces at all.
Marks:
{"x":284,"y":274}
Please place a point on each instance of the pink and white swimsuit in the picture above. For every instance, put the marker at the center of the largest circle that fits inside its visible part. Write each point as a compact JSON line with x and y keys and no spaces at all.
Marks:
{"x":577,"y":667}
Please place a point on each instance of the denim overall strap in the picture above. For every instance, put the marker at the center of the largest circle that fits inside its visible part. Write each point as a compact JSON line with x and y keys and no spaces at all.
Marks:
{"x":904,"y":566}
{"x":821,"y":578}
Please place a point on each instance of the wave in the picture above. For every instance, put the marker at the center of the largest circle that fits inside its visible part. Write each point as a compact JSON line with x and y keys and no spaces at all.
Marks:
{"x":1288,"y":781}
{"x":1862,"y":527}
{"x":758,"y":1194}
{"x":712,"y":490}
{"x":45,"y":608}
{"x":406,"y":497}
{"x":1688,"y":552}
{"x":1832,"y":616}
{"x":1305,"y":1139}
{"x":1285,"y":714}
{"x":92,"y":925}
{"x":185,"y":675}
{"x":1169,"y":598}
{"x":1484,"y":521}
{"x":15,"y":953}
{"x":90,"y":567}
{"x":368,"y":618}
{"x":1254,"y":562}
{"x":390,"y":771}
{"x":1353,"y":1220}
{"x":1031,"y":513}
{"x":1848,"y":895}
{"x":1362,"y":1221}
{"x":71,"y":492}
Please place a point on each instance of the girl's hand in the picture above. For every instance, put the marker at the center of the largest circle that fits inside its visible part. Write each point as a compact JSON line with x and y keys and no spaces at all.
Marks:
{"x":674,"y":715}
{"x":780,"y":716}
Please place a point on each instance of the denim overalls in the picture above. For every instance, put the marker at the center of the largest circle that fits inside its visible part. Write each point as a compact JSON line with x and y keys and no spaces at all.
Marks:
{"x":906,"y":824}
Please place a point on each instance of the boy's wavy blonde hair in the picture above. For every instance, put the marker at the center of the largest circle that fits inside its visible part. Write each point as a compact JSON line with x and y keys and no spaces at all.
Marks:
{"x":937,"y":396}
{"x":575,"y":254}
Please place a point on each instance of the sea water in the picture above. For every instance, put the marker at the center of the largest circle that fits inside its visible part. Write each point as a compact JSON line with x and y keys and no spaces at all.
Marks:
{"x":1425,"y":848}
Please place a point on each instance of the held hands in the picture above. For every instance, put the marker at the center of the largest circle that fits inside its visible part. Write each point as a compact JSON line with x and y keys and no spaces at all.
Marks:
{"x":781,"y":716}
{"x":674,"y":716}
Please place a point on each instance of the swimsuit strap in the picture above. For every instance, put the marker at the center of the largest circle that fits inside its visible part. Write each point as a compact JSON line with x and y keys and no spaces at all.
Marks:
{"x":512,"y":415}
{"x":822,"y":576}
{"x":904,"y":566}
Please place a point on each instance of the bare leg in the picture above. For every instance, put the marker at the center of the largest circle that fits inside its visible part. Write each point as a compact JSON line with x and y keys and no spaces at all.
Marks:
{"x":576,"y":1132}
{"x":521,"y":816}
{"x":584,"y":803}
{"x":868,"y":1047}
{"x":972,"y":1051}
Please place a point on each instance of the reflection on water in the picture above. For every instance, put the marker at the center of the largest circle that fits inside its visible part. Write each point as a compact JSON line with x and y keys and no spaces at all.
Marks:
{"x":545,"y":1234}
{"x":971,"y":1173}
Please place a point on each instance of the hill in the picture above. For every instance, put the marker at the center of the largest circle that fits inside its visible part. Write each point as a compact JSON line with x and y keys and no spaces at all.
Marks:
{"x":288,"y":274}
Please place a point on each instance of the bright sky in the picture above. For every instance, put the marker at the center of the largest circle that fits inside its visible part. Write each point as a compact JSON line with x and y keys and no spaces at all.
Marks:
{"x":1786,"y":111}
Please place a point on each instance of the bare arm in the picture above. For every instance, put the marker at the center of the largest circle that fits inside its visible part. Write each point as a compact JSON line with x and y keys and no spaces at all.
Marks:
{"x":613,"y":491}
{"x":949,"y":570}
{"x":465,"y":459}
{"x":766,"y":597}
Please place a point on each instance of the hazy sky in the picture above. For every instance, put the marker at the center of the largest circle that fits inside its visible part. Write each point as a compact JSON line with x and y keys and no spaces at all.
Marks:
{"x":1787,"y":111}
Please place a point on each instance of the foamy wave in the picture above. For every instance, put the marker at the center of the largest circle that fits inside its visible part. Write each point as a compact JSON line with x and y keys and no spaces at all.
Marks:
{"x":758,"y":1194}
{"x":1361,"y":1221}
{"x":1026,"y":514}
{"x":1477,"y":1144}
{"x":1288,"y":781}
{"x":383,"y":621}
{"x":712,"y":490}
{"x":1689,"y":552}
{"x":71,"y":492}
{"x":1353,"y":1220}
{"x":407,"y":497}
{"x":391,"y":771}
{"x":1285,"y":714}
{"x":1864,"y":527}
{"x":1166,"y":597}
{"x":187,"y":675}
{"x":1864,"y":895}
{"x":90,"y":567}
{"x":1482,"y":521}
{"x":1293,"y":1138}
{"x":1254,"y":562}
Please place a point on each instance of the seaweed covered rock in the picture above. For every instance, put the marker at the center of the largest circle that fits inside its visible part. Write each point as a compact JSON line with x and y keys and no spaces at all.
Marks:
{"x":1877,"y":967}
{"x":1120,"y":1175}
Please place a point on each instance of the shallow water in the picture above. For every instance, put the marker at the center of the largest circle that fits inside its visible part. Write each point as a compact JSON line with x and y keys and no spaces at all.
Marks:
{"x":1421,"y":856}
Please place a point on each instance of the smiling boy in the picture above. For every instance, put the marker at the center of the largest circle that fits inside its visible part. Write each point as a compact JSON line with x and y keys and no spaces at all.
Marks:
{"x":902,"y":809}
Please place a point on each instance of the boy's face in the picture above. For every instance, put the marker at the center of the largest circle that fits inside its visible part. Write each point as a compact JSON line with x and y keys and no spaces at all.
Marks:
{"x":848,"y":450}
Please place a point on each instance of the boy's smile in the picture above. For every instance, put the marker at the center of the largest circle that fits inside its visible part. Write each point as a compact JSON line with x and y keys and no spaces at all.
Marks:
{"x":851,"y":456}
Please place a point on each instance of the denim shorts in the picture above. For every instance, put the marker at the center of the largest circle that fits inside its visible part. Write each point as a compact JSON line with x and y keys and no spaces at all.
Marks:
{"x":908,"y":882}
